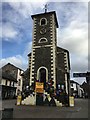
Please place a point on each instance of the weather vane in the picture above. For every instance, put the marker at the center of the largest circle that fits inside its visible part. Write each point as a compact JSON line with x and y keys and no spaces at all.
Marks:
{"x":46,"y":5}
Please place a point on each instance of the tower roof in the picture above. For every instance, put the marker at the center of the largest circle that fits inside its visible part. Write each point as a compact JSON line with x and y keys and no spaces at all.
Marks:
{"x":52,"y":12}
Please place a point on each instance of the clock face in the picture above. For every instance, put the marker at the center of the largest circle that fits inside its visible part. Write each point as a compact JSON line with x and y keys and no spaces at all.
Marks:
{"x":43,"y":31}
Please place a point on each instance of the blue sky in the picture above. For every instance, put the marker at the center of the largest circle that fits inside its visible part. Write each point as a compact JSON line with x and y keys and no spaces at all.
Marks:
{"x":72,"y":33}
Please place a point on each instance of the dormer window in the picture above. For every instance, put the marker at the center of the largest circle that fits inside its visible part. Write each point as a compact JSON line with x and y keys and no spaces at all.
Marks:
{"x":43,"y":21}
{"x":42,"y":40}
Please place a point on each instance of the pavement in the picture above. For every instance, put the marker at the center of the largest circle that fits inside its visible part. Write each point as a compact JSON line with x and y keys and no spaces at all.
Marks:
{"x":80,"y":110}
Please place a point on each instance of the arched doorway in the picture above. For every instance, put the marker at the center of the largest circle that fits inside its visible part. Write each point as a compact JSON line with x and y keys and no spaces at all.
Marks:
{"x":42,"y":75}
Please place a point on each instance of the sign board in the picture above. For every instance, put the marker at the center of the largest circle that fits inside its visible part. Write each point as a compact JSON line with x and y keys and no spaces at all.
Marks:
{"x":81,"y":74}
{"x":39,"y":87}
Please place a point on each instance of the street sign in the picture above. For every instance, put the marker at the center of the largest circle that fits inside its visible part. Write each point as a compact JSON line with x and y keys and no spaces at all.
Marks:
{"x":81,"y":74}
{"x":39,"y":87}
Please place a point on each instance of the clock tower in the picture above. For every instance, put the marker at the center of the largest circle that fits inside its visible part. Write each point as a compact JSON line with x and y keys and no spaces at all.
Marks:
{"x":44,"y":49}
{"x":48,"y":63}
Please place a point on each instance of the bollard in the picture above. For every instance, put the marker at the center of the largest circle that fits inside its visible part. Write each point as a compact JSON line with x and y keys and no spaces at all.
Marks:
{"x":19,"y":98}
{"x":71,"y":101}
{"x":7,"y":113}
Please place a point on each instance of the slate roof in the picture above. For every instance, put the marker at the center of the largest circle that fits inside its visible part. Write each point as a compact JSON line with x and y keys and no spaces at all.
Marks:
{"x":72,"y":81}
{"x":8,"y":77}
{"x":11,"y":65}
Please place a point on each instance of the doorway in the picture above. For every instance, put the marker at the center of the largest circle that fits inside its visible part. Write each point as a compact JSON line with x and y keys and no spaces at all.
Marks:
{"x":42,"y":76}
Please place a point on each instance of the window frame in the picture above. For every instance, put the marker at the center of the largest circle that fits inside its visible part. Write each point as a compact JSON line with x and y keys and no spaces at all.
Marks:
{"x":41,"y":21}
{"x":43,"y":41}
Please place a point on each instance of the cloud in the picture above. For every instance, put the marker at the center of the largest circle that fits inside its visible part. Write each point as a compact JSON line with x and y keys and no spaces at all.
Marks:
{"x":75,"y":38}
{"x":73,"y":35}
{"x":23,"y":9}
{"x":34,"y":1}
{"x":78,"y":64}
{"x":8,"y":32}
{"x":17,"y":19}
{"x":28,"y":48}
{"x":28,"y":8}
{"x":0,"y":31}
{"x":16,"y":60}
{"x":39,"y":1}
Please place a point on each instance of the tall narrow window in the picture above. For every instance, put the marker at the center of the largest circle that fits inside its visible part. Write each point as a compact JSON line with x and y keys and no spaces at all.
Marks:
{"x":43,"y":21}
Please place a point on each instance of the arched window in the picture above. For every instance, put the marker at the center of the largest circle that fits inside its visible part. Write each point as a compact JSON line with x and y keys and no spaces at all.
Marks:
{"x":42,"y":72}
{"x":43,"y":21}
{"x":42,"y":40}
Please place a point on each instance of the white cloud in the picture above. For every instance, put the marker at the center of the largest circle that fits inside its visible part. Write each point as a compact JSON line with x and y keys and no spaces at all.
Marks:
{"x":28,"y":48}
{"x":46,"y":0}
{"x":0,"y":31}
{"x":16,"y":60}
{"x":24,"y":9}
{"x":34,"y":1}
{"x":8,"y":32}
{"x":74,"y":38}
{"x":17,"y":17}
{"x":27,"y":8}
{"x":79,"y":63}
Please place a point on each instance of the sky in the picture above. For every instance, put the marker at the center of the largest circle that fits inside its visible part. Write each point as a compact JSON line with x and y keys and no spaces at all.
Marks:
{"x":16,"y":31}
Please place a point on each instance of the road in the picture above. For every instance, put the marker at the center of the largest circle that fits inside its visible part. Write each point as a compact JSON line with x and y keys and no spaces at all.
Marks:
{"x":80,"y":110}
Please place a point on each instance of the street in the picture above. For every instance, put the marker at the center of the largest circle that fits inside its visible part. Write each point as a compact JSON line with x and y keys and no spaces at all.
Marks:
{"x":80,"y":110}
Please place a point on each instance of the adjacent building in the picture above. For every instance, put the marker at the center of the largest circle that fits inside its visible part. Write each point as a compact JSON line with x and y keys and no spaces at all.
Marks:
{"x":11,"y":80}
{"x":76,"y":89}
{"x":86,"y":88}
{"x":8,"y":84}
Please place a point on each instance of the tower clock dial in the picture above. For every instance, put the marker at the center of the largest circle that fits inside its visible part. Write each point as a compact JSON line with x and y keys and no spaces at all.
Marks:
{"x":43,"y":31}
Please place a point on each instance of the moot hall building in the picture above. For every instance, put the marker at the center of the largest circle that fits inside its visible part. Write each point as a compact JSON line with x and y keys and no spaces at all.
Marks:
{"x":48,"y":63}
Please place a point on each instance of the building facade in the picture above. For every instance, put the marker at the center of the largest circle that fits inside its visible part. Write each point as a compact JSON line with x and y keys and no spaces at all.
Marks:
{"x":76,"y":90}
{"x":11,"y":76}
{"x":8,"y":84}
{"x":47,"y":62}
{"x":86,"y":88}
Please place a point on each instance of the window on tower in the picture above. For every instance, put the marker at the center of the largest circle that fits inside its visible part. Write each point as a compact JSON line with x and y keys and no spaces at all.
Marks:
{"x":42,"y":40}
{"x":43,"y":21}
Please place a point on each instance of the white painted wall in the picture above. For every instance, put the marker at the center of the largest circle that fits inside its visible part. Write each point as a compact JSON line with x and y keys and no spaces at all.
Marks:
{"x":74,"y":86}
{"x":3,"y":82}
{"x":19,"y":81}
{"x":78,"y":88}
